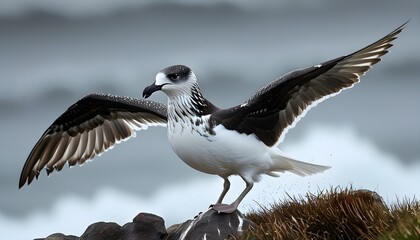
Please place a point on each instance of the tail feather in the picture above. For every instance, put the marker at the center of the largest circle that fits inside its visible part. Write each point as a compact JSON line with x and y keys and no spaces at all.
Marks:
{"x":304,"y":169}
{"x":283,"y":163}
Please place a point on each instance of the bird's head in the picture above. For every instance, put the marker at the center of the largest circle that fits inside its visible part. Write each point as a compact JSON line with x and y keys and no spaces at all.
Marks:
{"x":173,"y":81}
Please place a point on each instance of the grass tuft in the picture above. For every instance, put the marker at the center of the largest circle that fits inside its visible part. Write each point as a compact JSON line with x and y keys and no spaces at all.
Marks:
{"x":336,"y":214}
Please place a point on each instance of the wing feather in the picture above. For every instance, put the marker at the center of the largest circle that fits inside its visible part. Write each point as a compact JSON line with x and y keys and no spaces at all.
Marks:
{"x":279,"y":105}
{"x":91,"y":126}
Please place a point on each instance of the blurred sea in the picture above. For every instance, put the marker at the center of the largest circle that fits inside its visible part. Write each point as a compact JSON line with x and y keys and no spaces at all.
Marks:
{"x":52,"y":54}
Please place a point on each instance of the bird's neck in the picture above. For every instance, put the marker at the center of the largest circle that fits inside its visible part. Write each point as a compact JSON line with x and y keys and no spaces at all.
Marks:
{"x":187,"y":104}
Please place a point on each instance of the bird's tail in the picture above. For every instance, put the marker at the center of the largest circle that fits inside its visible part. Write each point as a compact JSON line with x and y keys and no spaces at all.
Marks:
{"x":283,"y":163}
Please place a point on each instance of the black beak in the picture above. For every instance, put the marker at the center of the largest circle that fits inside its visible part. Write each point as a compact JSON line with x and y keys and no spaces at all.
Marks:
{"x":151,"y":89}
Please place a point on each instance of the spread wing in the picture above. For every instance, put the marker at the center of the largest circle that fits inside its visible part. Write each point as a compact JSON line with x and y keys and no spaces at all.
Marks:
{"x":279,"y":105}
{"x":88,"y":128}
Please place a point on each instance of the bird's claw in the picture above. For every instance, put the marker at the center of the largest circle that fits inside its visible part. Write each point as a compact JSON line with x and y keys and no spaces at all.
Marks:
{"x":223,"y":208}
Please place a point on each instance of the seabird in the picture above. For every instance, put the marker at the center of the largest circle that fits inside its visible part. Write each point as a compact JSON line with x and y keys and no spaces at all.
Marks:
{"x":241,"y":140}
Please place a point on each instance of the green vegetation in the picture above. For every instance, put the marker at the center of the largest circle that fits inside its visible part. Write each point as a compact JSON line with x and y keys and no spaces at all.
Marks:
{"x":336,"y":214}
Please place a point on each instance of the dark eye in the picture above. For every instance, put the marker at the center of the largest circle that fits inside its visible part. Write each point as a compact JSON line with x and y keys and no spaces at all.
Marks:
{"x":173,"y":76}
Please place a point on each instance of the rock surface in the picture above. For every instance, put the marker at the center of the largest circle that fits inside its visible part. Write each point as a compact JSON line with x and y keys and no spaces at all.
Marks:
{"x":211,"y":225}
{"x":208,"y":225}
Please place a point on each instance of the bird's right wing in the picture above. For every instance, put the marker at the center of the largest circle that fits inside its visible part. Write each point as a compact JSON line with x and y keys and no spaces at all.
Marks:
{"x":88,"y":128}
{"x":279,"y":105}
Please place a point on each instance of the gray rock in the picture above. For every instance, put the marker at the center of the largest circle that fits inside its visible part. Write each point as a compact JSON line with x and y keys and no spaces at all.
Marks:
{"x":103,"y":230}
{"x":210,"y":225}
{"x":146,"y":226}
{"x":59,"y":236}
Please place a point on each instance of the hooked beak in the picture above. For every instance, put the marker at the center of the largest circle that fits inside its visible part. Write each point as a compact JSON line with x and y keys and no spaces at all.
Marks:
{"x":151,"y":89}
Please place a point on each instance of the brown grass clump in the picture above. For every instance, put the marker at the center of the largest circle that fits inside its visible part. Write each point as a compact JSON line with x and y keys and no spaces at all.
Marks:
{"x":405,"y":221}
{"x":336,"y":214}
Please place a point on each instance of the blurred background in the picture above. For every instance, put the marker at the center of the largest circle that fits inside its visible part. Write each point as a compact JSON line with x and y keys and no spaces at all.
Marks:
{"x":54,"y":52}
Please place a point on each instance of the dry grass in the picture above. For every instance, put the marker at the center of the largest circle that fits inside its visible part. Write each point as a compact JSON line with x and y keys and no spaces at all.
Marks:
{"x":336,"y":214}
{"x":405,"y":221}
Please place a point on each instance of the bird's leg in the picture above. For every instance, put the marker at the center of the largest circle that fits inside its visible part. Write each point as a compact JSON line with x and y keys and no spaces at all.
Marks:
{"x":230,"y":208}
{"x":226,"y":186}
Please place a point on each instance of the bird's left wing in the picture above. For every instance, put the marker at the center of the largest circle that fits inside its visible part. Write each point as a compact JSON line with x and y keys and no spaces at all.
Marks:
{"x":279,"y":105}
{"x":88,"y":128}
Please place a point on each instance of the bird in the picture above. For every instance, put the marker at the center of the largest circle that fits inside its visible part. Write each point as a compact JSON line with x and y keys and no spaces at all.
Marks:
{"x":241,"y":140}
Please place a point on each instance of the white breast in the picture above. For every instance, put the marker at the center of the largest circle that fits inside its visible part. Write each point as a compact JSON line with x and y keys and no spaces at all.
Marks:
{"x":224,"y":153}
